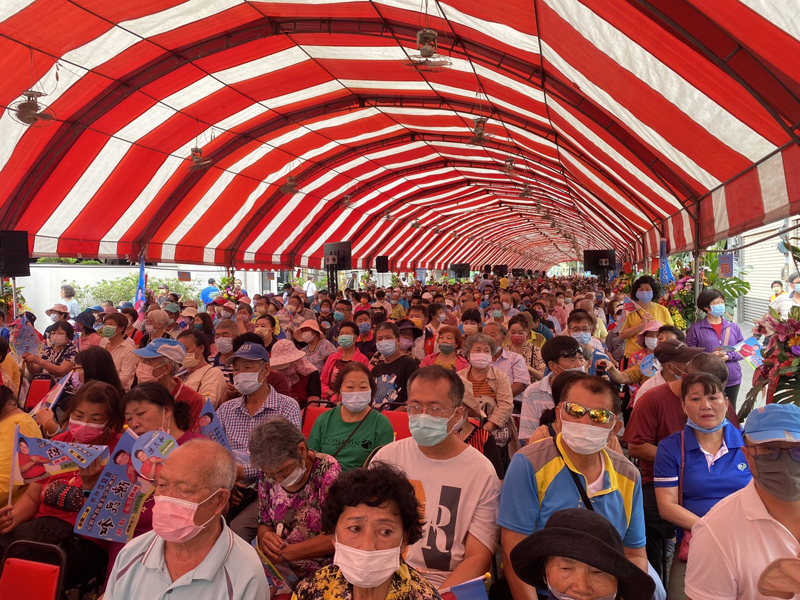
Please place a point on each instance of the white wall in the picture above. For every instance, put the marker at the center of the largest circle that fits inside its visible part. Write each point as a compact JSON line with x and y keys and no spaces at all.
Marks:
{"x":43,"y":287}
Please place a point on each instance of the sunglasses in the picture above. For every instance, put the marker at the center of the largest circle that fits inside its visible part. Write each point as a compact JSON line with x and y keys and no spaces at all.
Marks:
{"x":596,"y":415}
{"x":570,"y":353}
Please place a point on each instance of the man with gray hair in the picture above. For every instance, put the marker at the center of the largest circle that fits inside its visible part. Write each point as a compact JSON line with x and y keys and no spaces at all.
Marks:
{"x":454,"y":482}
{"x":190,"y":553}
{"x":159,"y":361}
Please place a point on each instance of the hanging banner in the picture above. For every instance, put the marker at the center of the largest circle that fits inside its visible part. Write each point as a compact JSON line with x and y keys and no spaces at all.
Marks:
{"x":664,"y":272}
{"x":210,"y":425}
{"x":725,"y":265}
{"x":113,"y":508}
{"x":35,"y":459}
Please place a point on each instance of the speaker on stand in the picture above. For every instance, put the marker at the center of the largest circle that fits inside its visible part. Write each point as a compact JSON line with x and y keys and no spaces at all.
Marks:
{"x":14,"y":259}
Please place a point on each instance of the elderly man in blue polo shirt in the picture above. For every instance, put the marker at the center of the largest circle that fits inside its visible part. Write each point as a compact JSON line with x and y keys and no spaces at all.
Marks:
{"x":191,"y":553}
{"x":573,"y":469}
{"x":258,"y":402}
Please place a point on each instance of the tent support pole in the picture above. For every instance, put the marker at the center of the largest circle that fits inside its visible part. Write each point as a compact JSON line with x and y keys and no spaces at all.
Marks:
{"x":14,"y":296}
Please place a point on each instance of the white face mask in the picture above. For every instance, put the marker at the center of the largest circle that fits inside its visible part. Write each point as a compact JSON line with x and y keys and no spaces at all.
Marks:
{"x":651,"y":343}
{"x":224,"y":345}
{"x":583,"y":438}
{"x":480,"y":360}
{"x":366,"y":569}
{"x":246,"y":383}
{"x":295,"y":476}
{"x":356,"y":401}
{"x":58,"y":339}
{"x":307,"y":336}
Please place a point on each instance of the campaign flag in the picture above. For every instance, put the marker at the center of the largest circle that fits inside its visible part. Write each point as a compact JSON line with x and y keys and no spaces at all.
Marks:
{"x":629,"y":305}
{"x":665,"y":273}
{"x":53,"y":396}
{"x":36,"y":459}
{"x":139,"y":300}
{"x":725,"y":265}
{"x":274,"y":577}
{"x":210,"y":425}
{"x":150,"y":453}
{"x":25,"y":338}
{"x":750,"y":349}
{"x":112,"y":509}
{"x":474,"y":589}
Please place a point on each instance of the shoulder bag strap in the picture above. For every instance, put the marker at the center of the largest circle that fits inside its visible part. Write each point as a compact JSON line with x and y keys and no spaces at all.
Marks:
{"x":727,"y":335}
{"x":352,"y":433}
{"x":584,"y":496}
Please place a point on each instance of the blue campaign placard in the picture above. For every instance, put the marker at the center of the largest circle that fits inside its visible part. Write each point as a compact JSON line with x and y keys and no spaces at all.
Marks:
{"x":649,"y":365}
{"x":36,"y":459}
{"x":112,"y":509}
{"x":210,"y":425}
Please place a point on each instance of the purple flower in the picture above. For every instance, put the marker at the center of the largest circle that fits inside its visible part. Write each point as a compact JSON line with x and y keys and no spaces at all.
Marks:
{"x":796,"y":350}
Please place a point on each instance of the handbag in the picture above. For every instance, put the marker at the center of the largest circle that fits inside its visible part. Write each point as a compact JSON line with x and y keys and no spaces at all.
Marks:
{"x":683,"y":552}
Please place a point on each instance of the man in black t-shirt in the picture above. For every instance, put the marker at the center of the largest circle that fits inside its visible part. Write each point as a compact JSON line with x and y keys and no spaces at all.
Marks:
{"x":392,"y":368}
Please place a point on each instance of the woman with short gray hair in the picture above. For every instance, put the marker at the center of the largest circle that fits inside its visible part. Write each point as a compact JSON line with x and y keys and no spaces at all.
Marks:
{"x":292,"y":489}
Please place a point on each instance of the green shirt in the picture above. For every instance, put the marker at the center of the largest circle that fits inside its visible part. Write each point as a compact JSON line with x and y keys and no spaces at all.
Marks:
{"x":330,"y":432}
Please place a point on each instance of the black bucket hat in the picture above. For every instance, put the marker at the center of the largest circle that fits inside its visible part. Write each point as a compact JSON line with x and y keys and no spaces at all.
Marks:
{"x":585,"y":536}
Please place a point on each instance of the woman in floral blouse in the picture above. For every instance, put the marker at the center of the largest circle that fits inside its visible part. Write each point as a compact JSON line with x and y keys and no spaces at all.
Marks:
{"x":291,"y":491}
{"x":374,"y":512}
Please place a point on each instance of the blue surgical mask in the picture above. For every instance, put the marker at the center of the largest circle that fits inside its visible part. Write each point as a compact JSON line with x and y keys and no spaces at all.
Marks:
{"x":345,"y":341}
{"x":644,"y":297}
{"x":427,"y":430}
{"x":338,"y":316}
{"x":198,"y":326}
{"x":582,"y":337}
{"x":697,"y":427}
{"x":717,"y":310}
{"x":364,"y":328}
{"x":387,"y":347}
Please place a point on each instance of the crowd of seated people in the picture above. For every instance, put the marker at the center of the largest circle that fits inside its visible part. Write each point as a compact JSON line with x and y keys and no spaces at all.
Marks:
{"x":398,"y":442}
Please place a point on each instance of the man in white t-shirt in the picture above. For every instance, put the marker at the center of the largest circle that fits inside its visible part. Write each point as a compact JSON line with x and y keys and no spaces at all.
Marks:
{"x":455,"y":484}
{"x":747,"y":545}
{"x":310,"y":288}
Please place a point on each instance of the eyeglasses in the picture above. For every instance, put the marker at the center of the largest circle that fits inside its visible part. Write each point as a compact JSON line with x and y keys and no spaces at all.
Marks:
{"x":596,"y":415}
{"x":572,"y":353}
{"x":773,"y":452}
{"x":433,"y":411}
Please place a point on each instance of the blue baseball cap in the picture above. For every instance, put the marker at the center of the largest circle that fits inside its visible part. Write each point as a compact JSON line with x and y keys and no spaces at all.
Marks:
{"x":773,"y":423}
{"x":97,"y":308}
{"x":166,"y":347}
{"x":125,"y":305}
{"x":249,"y":351}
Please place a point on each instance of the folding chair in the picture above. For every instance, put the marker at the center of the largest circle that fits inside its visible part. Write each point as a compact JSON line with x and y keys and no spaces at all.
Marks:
{"x":311,"y":412}
{"x":32,"y":579}
{"x":38,"y":389}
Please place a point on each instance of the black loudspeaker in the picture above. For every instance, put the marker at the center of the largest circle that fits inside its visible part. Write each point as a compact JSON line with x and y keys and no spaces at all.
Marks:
{"x":342,"y":252}
{"x":598,"y":261}
{"x":487,"y":269}
{"x":382,"y":264}
{"x":460,"y":270}
{"x":518,"y":272}
{"x":14,"y":257}
{"x":500,"y":270}
{"x":529,"y":273}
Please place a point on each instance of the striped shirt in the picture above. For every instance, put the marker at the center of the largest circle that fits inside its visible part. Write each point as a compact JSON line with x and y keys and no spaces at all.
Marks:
{"x":238,"y":422}
{"x":536,"y":399}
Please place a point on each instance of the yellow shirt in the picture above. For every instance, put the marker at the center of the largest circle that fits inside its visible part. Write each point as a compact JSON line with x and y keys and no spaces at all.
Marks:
{"x":11,"y":368}
{"x":28,"y":428}
{"x":660,"y":313}
{"x":503,"y":283}
{"x":398,"y":312}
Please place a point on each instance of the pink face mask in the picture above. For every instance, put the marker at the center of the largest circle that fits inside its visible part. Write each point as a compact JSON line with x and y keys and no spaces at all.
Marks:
{"x":173,"y":518}
{"x":144,"y":373}
{"x":86,"y":433}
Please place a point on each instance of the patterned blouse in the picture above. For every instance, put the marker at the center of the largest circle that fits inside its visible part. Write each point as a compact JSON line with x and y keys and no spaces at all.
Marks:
{"x":320,"y":354}
{"x":329,"y":583}
{"x":65,"y":353}
{"x":299,"y":512}
{"x":532,"y":355}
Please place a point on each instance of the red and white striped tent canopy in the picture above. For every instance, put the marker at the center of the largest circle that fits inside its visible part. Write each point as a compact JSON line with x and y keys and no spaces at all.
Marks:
{"x":624,"y":122}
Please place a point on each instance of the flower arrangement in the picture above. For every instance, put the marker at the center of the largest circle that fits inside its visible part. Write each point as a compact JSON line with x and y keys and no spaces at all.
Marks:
{"x":227,"y":289}
{"x":779,"y":372}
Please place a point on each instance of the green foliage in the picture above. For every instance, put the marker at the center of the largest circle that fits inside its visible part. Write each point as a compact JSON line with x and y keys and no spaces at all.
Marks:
{"x":123,"y":289}
{"x":52,"y":260}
